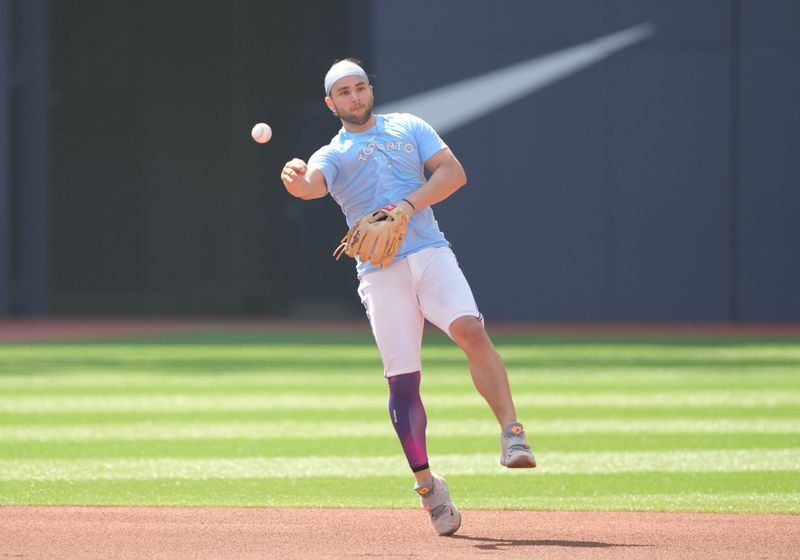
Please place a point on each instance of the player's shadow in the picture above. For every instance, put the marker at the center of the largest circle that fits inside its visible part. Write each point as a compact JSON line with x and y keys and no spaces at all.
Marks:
{"x":490,"y":543}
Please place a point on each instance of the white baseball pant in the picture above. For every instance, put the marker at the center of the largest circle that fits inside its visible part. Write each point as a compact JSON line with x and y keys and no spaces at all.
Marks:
{"x":428,"y":285}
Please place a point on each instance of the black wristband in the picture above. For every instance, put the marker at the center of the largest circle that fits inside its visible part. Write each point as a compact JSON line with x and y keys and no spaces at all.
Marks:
{"x":409,"y":203}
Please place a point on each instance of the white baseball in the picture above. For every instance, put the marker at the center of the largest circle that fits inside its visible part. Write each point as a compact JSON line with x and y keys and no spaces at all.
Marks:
{"x":261,"y":133}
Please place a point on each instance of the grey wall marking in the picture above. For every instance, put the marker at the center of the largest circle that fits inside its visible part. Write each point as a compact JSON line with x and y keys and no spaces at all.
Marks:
{"x":453,"y":106}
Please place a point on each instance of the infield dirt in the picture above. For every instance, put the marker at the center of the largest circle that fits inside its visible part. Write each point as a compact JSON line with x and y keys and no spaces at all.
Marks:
{"x":123,"y":533}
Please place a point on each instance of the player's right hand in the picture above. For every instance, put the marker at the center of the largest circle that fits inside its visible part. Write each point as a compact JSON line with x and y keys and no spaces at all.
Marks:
{"x":292,"y":171}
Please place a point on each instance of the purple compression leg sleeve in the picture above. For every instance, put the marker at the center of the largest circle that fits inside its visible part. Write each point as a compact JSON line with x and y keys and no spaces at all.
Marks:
{"x":408,"y":418}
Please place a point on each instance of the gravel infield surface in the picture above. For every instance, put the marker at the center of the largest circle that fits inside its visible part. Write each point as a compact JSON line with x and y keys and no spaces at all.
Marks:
{"x":123,"y":533}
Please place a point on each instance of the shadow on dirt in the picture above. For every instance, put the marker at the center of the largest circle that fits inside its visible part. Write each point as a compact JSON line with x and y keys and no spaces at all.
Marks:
{"x":502,"y":544}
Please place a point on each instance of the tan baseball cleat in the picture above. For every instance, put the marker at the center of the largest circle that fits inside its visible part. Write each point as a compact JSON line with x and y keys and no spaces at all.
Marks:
{"x":435,"y":498}
{"x":516,"y":451}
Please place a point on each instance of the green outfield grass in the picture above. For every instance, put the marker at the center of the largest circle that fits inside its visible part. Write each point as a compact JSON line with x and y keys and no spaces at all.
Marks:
{"x":281,"y":419}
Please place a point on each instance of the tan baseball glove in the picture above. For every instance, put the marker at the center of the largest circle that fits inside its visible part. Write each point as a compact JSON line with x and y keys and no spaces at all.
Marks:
{"x":377,"y":236}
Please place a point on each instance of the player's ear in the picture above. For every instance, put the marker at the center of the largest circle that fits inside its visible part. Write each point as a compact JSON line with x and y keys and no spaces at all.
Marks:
{"x":329,"y":103}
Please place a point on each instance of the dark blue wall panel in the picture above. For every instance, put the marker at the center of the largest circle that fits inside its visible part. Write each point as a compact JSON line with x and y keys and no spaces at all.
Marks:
{"x":657,"y":182}
{"x":604,"y":195}
{"x":5,"y":157}
{"x":769,"y":212}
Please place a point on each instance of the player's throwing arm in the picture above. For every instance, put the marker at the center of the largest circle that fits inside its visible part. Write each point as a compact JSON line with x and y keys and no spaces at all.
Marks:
{"x":302,"y":182}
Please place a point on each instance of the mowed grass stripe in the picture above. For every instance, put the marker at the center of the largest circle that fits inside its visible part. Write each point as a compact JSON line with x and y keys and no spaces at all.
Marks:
{"x":306,"y":401}
{"x":233,"y":357}
{"x":529,"y":414}
{"x":300,"y":430}
{"x":713,"y":492}
{"x":688,"y":461}
{"x":110,"y":380}
{"x":544,"y":444}
{"x":373,"y":368}
{"x":111,"y":384}
{"x":315,"y":352}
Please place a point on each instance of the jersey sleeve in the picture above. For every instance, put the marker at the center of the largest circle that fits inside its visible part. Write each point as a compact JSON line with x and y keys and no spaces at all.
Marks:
{"x":325,"y":160}
{"x":428,"y":140}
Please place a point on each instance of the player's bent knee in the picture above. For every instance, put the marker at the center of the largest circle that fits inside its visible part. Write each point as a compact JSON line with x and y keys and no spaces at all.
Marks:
{"x":468,"y":332}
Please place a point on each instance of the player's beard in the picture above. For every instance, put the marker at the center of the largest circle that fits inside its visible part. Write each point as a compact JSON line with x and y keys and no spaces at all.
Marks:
{"x":353,"y":119}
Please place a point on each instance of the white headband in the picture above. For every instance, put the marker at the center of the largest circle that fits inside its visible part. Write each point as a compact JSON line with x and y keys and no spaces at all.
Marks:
{"x":341,"y":70}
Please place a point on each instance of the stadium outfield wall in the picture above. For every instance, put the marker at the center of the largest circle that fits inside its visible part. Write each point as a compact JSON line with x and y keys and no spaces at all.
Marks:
{"x":626,"y":161}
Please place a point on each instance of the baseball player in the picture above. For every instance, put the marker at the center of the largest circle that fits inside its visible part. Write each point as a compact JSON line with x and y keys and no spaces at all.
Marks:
{"x":374,"y":169}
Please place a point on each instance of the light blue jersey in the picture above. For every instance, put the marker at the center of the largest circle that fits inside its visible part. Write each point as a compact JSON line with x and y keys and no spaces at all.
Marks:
{"x":368,"y":170}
